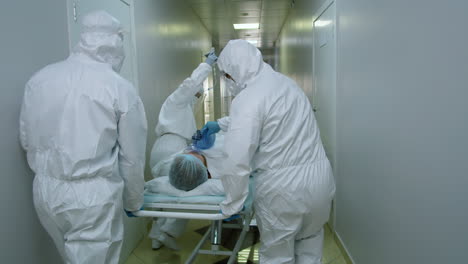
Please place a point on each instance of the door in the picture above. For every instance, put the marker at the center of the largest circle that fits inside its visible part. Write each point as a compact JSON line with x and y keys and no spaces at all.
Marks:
{"x":324,"y":60}
{"x":119,"y":9}
{"x":324,"y":76}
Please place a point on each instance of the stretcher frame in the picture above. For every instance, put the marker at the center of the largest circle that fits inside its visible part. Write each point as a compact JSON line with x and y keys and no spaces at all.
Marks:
{"x":203,"y":212}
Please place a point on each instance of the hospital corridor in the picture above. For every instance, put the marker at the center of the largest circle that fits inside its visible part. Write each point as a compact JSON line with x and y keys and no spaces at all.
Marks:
{"x":234,"y":131}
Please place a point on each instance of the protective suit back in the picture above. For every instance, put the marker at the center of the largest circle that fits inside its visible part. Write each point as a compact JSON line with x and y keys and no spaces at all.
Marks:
{"x":84,"y":129}
{"x":273,"y":135}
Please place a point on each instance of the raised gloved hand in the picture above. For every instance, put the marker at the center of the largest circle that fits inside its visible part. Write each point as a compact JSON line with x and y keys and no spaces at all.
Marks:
{"x":211,"y":127}
{"x":211,"y":57}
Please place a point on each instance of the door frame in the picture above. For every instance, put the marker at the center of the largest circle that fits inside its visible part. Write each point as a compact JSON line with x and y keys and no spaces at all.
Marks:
{"x":317,"y":14}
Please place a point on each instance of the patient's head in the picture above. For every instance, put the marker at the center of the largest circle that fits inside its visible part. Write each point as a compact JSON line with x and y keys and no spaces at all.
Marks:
{"x":188,"y":171}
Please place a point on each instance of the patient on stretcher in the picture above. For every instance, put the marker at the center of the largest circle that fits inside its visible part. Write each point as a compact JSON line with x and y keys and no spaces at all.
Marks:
{"x":190,"y":172}
{"x":161,"y":185}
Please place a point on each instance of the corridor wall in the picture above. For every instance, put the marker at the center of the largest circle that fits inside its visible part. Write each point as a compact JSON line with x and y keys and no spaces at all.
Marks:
{"x":401,"y":125}
{"x":295,"y":44}
{"x":170,"y":43}
{"x":26,"y":47}
{"x":402,"y":131}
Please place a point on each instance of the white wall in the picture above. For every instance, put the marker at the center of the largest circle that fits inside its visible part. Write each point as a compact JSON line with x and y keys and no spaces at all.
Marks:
{"x":401,"y":126}
{"x":402,"y":131}
{"x":34,"y":34}
{"x":295,"y":44}
{"x":170,"y":44}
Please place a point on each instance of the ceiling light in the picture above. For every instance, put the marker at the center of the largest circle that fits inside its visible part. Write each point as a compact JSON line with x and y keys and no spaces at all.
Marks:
{"x":252,"y":41}
{"x":247,"y":26}
{"x":322,"y":23}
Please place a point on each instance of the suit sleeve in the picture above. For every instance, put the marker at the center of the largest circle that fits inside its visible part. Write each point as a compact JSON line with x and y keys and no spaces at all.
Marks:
{"x":186,"y":91}
{"x":241,"y":143}
{"x":132,"y":141}
{"x":22,"y":122}
{"x":224,"y":123}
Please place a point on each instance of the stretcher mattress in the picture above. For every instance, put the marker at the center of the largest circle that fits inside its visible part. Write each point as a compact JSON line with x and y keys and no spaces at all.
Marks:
{"x":159,"y":190}
{"x":162,"y":198}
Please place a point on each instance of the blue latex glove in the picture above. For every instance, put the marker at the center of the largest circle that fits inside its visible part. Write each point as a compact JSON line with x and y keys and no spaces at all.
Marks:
{"x":129,"y":213}
{"x":211,"y":57}
{"x":211,"y":127}
{"x":232,"y":217}
{"x":206,"y":141}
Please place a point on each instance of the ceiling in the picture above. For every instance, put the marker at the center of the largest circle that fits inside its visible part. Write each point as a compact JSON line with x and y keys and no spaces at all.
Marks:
{"x":219,"y":16}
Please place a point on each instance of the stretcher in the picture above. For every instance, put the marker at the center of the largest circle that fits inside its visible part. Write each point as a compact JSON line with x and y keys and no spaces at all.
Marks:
{"x":204,"y":208}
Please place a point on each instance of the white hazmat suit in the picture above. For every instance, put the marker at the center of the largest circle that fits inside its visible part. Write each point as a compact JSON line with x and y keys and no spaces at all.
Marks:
{"x":174,"y":130}
{"x":84,"y":130}
{"x":273,"y":135}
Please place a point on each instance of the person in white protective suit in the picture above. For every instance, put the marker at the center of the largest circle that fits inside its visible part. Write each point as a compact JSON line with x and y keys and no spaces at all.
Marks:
{"x":273,"y":135}
{"x":174,"y":130}
{"x":84,"y":130}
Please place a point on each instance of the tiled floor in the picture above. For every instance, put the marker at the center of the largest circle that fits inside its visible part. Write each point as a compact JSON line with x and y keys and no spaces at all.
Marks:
{"x":143,"y":254}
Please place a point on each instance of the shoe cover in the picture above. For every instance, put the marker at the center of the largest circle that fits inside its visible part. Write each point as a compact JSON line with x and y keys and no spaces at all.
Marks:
{"x":168,"y":241}
{"x":155,"y":244}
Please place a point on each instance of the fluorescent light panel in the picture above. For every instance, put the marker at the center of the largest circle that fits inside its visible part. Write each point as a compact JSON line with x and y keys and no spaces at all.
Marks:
{"x":247,"y":26}
{"x":322,"y":23}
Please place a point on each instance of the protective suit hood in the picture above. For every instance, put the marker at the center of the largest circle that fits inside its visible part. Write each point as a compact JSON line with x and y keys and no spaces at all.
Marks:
{"x":241,"y":60}
{"x":102,"y":39}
